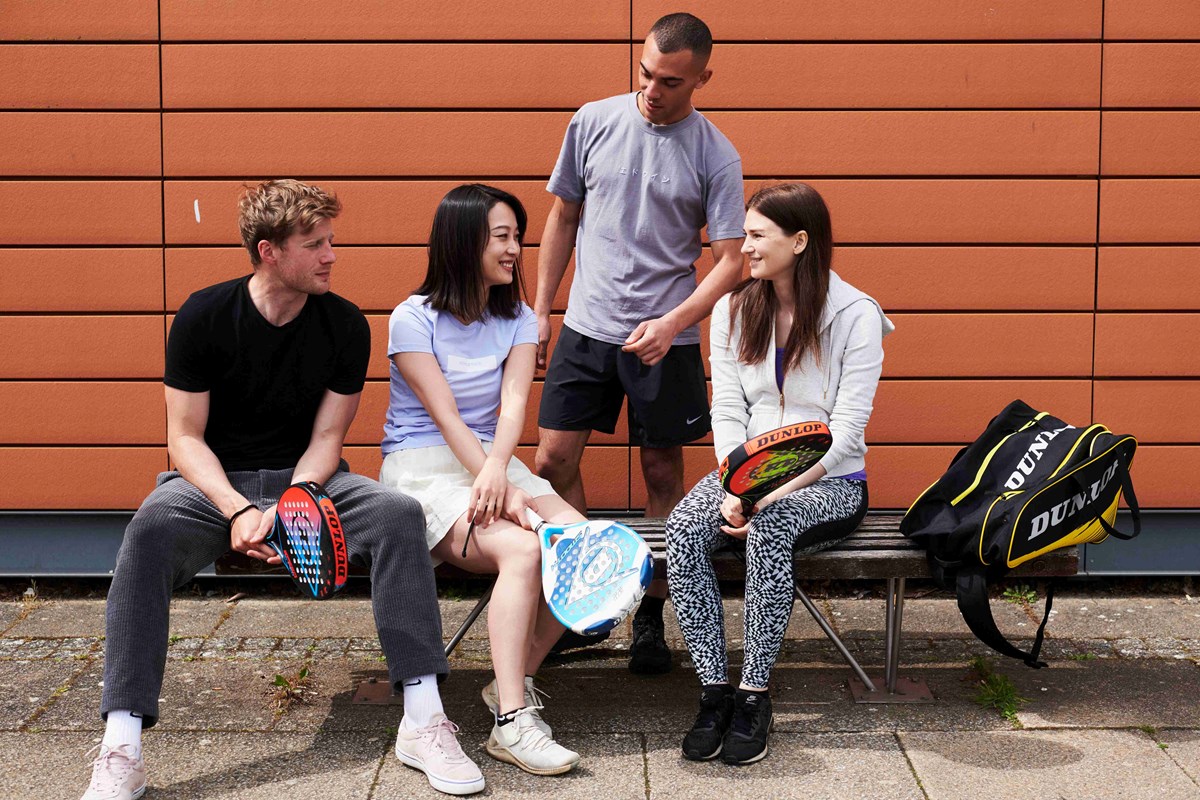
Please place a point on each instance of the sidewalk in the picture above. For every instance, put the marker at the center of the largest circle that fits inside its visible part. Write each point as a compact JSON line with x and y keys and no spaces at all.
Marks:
{"x":1116,"y":715}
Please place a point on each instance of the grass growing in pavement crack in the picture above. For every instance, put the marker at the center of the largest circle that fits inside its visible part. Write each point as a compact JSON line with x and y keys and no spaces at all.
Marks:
{"x":1020,"y":595}
{"x":287,"y":690}
{"x":994,"y":690}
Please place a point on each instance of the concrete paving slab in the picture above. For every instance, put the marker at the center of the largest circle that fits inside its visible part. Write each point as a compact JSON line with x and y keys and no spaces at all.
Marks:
{"x":926,"y":617}
{"x":61,"y":618}
{"x":1183,"y":746}
{"x":26,"y":686}
{"x":809,"y":766}
{"x":8,"y":614}
{"x":197,"y":616}
{"x":218,"y":695}
{"x":48,"y":766}
{"x":1109,"y":694}
{"x":612,"y":766}
{"x":336,"y":618}
{"x":1029,"y":765}
{"x":238,"y":766}
{"x":1124,"y":617}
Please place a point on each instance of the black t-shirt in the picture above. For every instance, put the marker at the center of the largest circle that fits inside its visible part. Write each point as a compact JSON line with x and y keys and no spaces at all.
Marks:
{"x":265,"y":383}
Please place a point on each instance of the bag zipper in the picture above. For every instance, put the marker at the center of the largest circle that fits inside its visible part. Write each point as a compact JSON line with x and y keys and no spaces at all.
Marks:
{"x":988,"y":515}
{"x":983,"y":467}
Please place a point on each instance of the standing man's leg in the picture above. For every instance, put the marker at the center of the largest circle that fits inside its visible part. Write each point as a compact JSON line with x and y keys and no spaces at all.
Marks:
{"x":668,"y":406}
{"x":557,"y":460}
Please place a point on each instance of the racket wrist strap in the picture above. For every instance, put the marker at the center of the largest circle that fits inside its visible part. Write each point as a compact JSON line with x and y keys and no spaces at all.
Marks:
{"x":241,"y":511}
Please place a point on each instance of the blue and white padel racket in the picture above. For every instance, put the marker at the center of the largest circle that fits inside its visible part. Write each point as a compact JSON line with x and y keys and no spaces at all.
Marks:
{"x":593,"y":573}
{"x":308,"y":538}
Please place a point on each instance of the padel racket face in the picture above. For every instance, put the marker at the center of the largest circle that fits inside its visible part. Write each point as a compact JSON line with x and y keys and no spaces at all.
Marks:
{"x":594,"y":573}
{"x":309,"y":540}
{"x":763,"y":464}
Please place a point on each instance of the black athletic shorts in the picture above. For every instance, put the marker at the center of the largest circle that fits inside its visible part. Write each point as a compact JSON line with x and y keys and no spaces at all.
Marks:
{"x":587,"y":379}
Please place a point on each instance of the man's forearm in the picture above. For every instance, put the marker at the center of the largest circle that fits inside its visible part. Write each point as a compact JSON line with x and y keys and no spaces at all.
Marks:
{"x":199,"y":466}
{"x":553,"y":257}
{"x":720,"y":281}
{"x":319,"y":461}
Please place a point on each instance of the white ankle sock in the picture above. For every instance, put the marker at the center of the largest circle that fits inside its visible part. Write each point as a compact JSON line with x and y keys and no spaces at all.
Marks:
{"x":123,"y":728}
{"x":421,"y":701}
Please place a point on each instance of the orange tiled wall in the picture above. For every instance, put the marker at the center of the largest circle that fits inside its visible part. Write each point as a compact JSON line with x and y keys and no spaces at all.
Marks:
{"x":1017,"y":183}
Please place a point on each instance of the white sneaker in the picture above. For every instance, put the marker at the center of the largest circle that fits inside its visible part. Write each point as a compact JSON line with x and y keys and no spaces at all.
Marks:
{"x":520,"y":742}
{"x":435,"y":751}
{"x":116,"y":774}
{"x":534,"y":700}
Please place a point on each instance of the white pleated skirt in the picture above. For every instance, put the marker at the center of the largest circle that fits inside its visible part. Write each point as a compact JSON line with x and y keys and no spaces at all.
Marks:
{"x":442,"y":485}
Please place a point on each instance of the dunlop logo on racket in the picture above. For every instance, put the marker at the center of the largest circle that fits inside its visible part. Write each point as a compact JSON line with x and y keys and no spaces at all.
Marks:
{"x":309,"y":539}
{"x":762,"y":464}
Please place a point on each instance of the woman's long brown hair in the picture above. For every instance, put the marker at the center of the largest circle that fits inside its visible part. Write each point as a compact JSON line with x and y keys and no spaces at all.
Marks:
{"x":794,"y":207}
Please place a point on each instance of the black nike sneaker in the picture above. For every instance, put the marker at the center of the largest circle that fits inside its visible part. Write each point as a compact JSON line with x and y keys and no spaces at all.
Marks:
{"x":705,"y":738}
{"x":746,"y":741}
{"x":648,"y":652}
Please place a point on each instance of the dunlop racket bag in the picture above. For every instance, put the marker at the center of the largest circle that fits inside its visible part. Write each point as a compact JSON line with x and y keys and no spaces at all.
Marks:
{"x":1029,"y":485}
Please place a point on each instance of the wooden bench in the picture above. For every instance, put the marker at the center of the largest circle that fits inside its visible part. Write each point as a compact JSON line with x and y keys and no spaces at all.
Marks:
{"x":875,"y":551}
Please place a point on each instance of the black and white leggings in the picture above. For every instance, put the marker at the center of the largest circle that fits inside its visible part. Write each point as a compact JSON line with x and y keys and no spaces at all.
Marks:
{"x":805,"y":521}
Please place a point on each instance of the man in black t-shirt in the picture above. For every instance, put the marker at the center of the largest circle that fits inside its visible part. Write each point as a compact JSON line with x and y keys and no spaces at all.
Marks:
{"x":263,"y":378}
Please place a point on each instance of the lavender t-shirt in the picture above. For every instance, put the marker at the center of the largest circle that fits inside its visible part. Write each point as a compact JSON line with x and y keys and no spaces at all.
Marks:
{"x":472,"y":359}
{"x":647,"y":191}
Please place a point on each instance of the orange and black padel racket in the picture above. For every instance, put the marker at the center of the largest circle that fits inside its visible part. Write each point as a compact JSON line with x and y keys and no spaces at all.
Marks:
{"x":756,"y":468}
{"x":309,"y":540}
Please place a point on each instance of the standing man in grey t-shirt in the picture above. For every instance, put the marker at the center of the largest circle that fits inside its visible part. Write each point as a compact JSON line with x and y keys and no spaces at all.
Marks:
{"x":638,"y":177}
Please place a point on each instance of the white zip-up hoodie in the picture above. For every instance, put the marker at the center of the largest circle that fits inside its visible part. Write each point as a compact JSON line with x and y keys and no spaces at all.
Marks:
{"x":838,"y":391}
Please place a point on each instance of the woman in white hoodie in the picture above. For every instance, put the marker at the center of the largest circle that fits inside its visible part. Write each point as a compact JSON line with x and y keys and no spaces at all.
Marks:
{"x":792,"y":343}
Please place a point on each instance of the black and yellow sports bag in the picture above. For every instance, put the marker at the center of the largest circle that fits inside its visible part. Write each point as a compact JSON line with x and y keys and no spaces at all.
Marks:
{"x":1030,"y":484}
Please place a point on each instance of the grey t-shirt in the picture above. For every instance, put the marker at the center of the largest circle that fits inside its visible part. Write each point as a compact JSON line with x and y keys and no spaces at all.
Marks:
{"x":647,"y":191}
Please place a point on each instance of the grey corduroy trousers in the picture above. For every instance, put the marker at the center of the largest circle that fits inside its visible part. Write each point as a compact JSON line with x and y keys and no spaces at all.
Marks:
{"x":178,"y":531}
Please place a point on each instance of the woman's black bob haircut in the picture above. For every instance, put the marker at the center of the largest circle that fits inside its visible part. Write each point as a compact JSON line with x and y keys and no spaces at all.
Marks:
{"x":454,"y":279}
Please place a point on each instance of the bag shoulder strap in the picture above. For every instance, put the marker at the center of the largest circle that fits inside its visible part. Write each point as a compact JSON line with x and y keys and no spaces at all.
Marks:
{"x":976,"y":610}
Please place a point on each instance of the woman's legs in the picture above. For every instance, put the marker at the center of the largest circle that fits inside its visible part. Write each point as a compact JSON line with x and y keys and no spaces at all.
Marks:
{"x":807,"y":520}
{"x":521,"y":628}
{"x":547,"y":629}
{"x":512,"y":553}
{"x":693,"y":533}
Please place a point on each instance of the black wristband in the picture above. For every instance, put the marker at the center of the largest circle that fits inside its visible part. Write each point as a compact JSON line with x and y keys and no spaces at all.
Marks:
{"x":239,"y":512}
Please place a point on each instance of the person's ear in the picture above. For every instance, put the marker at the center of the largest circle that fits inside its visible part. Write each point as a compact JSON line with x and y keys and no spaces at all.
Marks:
{"x":800,"y":242}
{"x":705,"y":77}
{"x":266,"y":251}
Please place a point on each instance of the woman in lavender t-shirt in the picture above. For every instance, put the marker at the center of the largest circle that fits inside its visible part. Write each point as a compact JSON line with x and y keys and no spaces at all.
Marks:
{"x":462,"y":350}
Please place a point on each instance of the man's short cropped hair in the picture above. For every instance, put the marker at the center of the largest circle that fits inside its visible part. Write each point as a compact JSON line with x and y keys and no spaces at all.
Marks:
{"x":682,"y":31}
{"x":274,"y":210}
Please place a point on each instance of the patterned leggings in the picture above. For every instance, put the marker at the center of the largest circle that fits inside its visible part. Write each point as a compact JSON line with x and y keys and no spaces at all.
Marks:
{"x":808,"y":520}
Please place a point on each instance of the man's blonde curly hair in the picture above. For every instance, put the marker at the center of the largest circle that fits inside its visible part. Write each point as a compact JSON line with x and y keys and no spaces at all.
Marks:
{"x":274,"y":210}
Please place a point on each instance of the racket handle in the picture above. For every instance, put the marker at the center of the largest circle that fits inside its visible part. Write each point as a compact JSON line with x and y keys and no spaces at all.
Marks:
{"x":535,"y":521}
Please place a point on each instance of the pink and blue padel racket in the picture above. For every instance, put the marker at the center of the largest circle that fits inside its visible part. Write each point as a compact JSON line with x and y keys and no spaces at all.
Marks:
{"x":309,"y":540}
{"x":593,"y":573}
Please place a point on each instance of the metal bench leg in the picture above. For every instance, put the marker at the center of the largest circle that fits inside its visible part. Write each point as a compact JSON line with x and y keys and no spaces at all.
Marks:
{"x":833,"y":637}
{"x":897,"y":690}
{"x":469,"y":621}
{"x":374,"y":692}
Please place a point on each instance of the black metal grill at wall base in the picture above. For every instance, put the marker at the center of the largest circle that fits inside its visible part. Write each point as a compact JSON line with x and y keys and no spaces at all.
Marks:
{"x":1030,"y":484}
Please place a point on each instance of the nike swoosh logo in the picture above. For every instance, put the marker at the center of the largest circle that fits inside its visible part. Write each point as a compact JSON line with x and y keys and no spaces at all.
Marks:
{"x":694,"y":420}
{"x":417,"y":682}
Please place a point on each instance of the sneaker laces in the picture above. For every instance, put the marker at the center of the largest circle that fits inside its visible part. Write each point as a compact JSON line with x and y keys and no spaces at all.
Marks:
{"x":529,"y":734}
{"x":535,"y":697}
{"x":710,"y":709}
{"x":443,"y":738}
{"x":745,"y":715}
{"x":110,"y":768}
